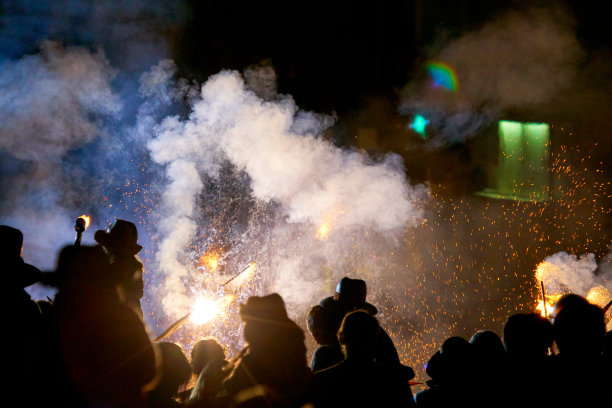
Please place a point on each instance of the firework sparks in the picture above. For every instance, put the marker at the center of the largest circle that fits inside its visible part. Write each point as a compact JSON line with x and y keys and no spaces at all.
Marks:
{"x":204,"y":310}
{"x":210,"y":260}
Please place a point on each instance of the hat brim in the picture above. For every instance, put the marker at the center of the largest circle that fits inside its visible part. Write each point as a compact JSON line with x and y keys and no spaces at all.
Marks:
{"x":101,"y":237}
{"x":30,"y":274}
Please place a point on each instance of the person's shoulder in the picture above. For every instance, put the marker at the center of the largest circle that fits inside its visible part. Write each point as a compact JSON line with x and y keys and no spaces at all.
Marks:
{"x":328,"y":302}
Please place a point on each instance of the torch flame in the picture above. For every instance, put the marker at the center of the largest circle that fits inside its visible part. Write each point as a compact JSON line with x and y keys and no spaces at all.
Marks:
{"x":87,"y":220}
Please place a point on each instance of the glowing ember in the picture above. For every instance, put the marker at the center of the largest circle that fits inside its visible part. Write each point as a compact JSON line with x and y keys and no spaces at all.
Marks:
{"x":87,"y":220}
{"x":324,"y":230}
{"x":204,"y":310}
{"x":210,"y":261}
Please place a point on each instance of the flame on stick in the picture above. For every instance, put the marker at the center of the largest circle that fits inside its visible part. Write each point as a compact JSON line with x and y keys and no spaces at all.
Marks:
{"x":543,"y":298}
{"x":80,"y":226}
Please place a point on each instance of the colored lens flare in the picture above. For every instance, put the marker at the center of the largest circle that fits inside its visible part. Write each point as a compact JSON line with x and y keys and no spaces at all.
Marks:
{"x":418,"y":125}
{"x":442,"y":76}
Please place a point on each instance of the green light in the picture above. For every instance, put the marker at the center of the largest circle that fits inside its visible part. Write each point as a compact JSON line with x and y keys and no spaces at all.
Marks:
{"x":523,"y":160}
{"x":418,"y":125}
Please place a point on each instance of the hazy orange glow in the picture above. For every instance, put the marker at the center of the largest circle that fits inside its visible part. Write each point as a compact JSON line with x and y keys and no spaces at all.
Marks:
{"x":87,"y":220}
{"x":206,"y":309}
{"x":210,"y":260}
{"x":550,"y":303}
{"x":324,"y":229}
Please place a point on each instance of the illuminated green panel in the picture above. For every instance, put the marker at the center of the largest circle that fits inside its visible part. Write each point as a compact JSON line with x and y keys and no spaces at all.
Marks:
{"x":522,"y":172}
{"x":510,"y":152}
{"x":535,"y":150}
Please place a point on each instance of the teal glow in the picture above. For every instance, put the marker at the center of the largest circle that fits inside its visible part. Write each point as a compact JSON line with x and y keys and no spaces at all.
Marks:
{"x":418,"y":125}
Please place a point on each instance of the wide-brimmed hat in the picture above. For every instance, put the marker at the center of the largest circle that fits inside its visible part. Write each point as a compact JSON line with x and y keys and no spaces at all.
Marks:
{"x":11,"y":242}
{"x":120,"y":236}
{"x":270,"y":308}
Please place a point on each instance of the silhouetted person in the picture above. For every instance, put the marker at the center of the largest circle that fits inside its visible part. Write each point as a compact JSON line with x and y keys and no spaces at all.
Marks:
{"x":120,"y":243}
{"x":324,"y":331}
{"x":453,"y":375}
{"x":489,"y":367}
{"x":103,"y":343}
{"x":528,"y":339}
{"x":359,"y":381}
{"x":203,"y":353}
{"x":579,"y":330}
{"x":175,"y":371}
{"x":209,"y":385}
{"x":350,"y":296}
{"x":275,"y":355}
{"x":433,"y":396}
{"x":22,"y":318}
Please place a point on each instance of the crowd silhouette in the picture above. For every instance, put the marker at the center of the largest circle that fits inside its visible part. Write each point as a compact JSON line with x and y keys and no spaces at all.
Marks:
{"x":88,"y":348}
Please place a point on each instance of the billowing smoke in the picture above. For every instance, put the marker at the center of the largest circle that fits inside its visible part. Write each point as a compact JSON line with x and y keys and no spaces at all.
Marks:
{"x":53,"y":101}
{"x":288,"y":162}
{"x":522,"y":59}
{"x":567,"y":273}
{"x":68,"y":113}
{"x":563,"y":272}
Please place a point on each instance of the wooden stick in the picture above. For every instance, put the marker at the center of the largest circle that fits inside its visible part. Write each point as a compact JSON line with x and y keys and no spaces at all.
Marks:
{"x":173,"y":327}
{"x":234,"y":277}
{"x":543,"y":298}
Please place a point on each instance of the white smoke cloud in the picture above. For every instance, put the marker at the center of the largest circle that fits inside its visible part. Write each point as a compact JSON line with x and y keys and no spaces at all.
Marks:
{"x":53,"y":101}
{"x":522,"y":58}
{"x":567,"y":273}
{"x":564,"y":272}
{"x":313,"y":181}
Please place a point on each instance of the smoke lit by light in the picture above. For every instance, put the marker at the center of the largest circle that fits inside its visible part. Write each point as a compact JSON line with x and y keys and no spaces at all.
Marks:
{"x":323,"y":230}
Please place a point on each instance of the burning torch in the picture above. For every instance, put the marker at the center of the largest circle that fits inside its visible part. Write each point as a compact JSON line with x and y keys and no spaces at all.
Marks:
{"x":80,"y":226}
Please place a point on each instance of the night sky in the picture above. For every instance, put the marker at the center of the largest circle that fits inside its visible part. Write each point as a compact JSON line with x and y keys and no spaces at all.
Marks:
{"x":331,"y":56}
